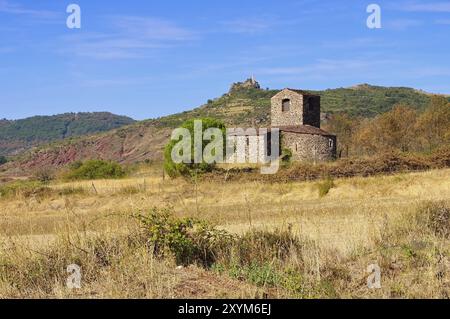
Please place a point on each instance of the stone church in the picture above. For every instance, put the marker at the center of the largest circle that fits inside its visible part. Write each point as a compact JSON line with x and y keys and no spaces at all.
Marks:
{"x":296,"y":114}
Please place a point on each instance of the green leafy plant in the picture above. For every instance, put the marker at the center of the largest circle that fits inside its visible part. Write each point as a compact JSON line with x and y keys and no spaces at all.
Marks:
{"x":325,"y":186}
{"x":191,"y":169}
{"x":190,"y":241}
{"x":95,"y":169}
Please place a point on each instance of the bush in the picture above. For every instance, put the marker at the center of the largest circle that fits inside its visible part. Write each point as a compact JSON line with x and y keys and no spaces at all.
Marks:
{"x":44,"y":175}
{"x":191,"y":169}
{"x":188,"y":240}
{"x":95,"y":169}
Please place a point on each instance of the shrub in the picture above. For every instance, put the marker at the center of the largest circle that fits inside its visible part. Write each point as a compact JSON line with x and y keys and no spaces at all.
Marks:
{"x":188,"y":240}
{"x":44,"y":174}
{"x":325,"y":186}
{"x":191,"y":169}
{"x":95,"y":169}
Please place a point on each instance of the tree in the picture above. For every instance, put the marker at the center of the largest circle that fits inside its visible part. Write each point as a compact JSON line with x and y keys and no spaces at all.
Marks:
{"x":190,"y":168}
{"x":434,"y":124}
{"x":397,"y":128}
{"x":393,"y":130}
{"x":344,"y":127}
{"x":3,"y":160}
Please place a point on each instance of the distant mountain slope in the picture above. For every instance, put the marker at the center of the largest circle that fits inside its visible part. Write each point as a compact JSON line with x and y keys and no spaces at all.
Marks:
{"x":243,"y":106}
{"x":19,"y":135}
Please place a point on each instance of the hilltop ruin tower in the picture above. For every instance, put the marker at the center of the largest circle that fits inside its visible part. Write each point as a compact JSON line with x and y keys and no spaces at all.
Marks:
{"x":297,"y":114}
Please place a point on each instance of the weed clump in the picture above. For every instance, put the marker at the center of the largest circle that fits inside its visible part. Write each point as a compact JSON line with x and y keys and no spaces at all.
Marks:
{"x":436,"y":217}
{"x":264,"y":246}
{"x":325,"y":187}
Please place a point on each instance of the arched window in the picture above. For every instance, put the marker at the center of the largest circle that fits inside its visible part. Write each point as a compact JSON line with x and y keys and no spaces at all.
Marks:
{"x":331,"y":143}
{"x":286,"y":105}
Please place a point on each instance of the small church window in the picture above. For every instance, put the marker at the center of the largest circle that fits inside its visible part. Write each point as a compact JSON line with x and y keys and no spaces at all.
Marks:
{"x":331,"y":144}
{"x":286,"y":105}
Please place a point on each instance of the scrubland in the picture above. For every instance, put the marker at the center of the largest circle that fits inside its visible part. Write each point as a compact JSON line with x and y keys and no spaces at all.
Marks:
{"x":260,"y":239}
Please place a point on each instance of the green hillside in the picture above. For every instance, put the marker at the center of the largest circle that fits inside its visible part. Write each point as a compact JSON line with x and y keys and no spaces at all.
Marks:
{"x":22,"y":134}
{"x":246,"y":106}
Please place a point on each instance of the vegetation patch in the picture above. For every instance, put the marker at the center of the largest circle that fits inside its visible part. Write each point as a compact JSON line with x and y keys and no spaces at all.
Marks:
{"x":436,"y":217}
{"x":190,"y":241}
{"x":381,"y":164}
{"x":24,"y":189}
{"x":191,"y":168}
{"x":325,"y":186}
{"x":411,"y":252}
{"x":94,"y":169}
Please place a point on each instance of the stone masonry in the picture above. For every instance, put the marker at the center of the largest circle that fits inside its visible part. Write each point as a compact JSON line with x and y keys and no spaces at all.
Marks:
{"x":296,"y":114}
{"x":304,"y":109}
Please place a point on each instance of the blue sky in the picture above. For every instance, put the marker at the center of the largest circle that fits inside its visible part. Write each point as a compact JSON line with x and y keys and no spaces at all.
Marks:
{"x":147,"y":59}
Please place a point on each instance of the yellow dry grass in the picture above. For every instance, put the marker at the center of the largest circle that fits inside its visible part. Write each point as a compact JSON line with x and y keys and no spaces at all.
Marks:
{"x":351,"y":217}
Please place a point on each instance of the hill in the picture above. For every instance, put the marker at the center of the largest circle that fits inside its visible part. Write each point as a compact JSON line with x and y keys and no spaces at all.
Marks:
{"x":243,"y":105}
{"x":20,"y":135}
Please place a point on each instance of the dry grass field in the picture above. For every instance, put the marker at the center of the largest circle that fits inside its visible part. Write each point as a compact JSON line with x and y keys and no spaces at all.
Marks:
{"x":386,"y":220}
